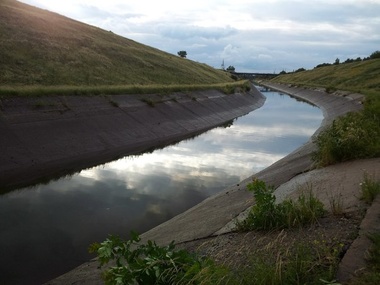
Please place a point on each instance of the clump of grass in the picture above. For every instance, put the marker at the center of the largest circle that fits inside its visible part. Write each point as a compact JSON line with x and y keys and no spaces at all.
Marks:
{"x":336,"y":204}
{"x":266,"y":215}
{"x":290,"y":262}
{"x":369,"y":189}
{"x":150,"y":102}
{"x":353,"y":136}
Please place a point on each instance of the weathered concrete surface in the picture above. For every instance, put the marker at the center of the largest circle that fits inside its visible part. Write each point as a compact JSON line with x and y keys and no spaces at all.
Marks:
{"x":44,"y":137}
{"x":212,"y":215}
{"x":354,"y":261}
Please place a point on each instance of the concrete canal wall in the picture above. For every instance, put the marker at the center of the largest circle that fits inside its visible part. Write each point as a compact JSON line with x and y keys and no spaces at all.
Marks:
{"x":45,"y":137}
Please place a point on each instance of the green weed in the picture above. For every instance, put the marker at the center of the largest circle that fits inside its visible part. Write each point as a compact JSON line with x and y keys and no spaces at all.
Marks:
{"x":266,"y":215}
{"x":152,"y":264}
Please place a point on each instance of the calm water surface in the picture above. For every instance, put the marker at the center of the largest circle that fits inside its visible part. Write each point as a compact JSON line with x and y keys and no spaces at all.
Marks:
{"x":45,"y":230}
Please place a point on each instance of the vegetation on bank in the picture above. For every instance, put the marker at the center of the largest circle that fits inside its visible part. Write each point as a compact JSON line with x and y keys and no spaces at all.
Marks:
{"x":267,"y":215}
{"x":353,"y":136}
{"x":43,"y":49}
{"x":279,"y":261}
{"x":227,"y":88}
{"x":150,"y":264}
{"x":358,"y":76}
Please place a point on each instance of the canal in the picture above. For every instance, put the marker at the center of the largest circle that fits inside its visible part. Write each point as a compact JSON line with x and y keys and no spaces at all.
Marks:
{"x":45,"y":230}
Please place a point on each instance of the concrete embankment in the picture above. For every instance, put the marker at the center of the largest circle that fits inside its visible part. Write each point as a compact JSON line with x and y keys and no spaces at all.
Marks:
{"x":45,"y":137}
{"x":213,"y":216}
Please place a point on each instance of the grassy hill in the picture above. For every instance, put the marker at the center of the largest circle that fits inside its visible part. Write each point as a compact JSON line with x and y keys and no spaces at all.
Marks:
{"x":41,"y":48}
{"x":362,"y":77}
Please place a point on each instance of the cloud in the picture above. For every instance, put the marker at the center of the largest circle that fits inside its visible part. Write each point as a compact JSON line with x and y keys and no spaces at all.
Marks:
{"x":266,"y":36}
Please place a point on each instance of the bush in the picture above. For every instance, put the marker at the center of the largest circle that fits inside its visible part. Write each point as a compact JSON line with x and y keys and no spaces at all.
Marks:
{"x":353,"y":136}
{"x":266,"y":215}
{"x":152,"y":264}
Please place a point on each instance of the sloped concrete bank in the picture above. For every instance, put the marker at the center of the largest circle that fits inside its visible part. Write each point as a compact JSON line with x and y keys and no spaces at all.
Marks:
{"x":213,"y":216}
{"x":44,"y":137}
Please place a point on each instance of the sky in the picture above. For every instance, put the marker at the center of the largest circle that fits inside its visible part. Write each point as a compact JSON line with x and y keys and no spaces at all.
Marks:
{"x":251,"y":35}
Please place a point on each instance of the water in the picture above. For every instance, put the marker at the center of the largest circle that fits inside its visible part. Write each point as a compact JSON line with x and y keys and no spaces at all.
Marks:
{"x":45,"y":230}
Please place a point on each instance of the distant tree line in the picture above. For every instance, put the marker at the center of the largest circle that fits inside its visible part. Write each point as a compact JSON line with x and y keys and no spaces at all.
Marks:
{"x":374,"y":55}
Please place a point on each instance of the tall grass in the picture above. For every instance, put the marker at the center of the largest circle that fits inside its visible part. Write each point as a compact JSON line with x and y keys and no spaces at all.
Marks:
{"x":30,"y":91}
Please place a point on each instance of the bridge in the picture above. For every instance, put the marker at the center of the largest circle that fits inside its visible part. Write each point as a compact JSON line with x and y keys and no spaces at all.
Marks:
{"x":251,"y":75}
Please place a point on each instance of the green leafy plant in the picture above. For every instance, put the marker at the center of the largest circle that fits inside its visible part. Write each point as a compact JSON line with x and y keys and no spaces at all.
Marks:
{"x":266,"y":215}
{"x":152,"y":264}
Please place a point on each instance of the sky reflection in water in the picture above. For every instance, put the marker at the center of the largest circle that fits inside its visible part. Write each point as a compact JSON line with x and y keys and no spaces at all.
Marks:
{"x":49,"y":227}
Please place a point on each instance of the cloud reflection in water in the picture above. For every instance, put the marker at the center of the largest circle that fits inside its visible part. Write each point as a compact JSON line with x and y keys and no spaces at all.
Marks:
{"x":50,"y":226}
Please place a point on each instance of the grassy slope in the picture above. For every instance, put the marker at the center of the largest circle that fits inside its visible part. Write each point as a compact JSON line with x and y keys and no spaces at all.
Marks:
{"x":39,"y":47}
{"x":363,"y":77}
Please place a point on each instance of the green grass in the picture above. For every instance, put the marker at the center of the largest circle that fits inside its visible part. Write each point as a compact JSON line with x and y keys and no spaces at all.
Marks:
{"x":39,"y":90}
{"x":362,"y":77}
{"x":40,"y":48}
{"x":301,"y":263}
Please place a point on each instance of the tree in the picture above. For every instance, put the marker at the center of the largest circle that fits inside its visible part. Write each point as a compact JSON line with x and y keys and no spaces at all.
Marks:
{"x":337,"y":61}
{"x":182,"y":53}
{"x":375,"y":54}
{"x":231,"y":69}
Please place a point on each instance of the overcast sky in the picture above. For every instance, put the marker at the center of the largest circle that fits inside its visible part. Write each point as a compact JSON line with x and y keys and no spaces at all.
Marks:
{"x":251,"y":35}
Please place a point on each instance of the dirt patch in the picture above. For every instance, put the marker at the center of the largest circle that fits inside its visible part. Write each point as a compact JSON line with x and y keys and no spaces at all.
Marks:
{"x":236,"y":249}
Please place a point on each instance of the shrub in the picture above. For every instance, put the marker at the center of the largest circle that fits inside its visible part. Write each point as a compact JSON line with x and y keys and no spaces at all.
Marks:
{"x":266,"y":215}
{"x":152,"y":264}
{"x":352,"y":136}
